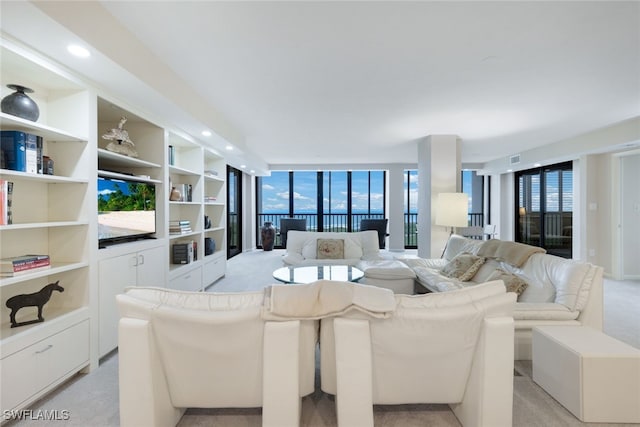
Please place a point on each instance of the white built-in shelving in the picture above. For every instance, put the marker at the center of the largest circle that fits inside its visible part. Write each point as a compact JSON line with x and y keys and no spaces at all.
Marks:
{"x":58,"y":215}
{"x":52,"y":215}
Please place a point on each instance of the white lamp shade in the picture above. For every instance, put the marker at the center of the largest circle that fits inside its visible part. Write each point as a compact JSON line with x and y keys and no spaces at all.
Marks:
{"x":452,"y":210}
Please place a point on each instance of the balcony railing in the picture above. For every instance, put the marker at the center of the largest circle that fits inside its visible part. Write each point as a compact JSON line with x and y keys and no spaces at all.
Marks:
{"x":330,"y":222}
{"x":340,"y":222}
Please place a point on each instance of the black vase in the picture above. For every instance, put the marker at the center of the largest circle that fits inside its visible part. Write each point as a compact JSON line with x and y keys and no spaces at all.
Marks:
{"x":19,"y":104}
{"x":267,"y":234}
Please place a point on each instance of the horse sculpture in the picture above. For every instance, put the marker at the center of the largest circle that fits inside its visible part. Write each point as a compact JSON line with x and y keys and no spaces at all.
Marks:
{"x":36,"y":299}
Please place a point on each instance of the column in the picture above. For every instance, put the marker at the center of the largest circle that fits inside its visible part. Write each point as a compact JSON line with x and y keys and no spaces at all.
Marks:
{"x":396,"y":208}
{"x":439,"y":169}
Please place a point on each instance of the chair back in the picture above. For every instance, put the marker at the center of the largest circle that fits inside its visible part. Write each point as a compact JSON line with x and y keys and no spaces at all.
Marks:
{"x":489,"y":231}
{"x":379,"y":225}
{"x":473,"y":232}
{"x":286,"y":224}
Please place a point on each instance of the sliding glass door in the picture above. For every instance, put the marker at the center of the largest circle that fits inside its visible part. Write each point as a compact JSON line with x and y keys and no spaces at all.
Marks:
{"x":234,"y":211}
{"x":544,"y":215}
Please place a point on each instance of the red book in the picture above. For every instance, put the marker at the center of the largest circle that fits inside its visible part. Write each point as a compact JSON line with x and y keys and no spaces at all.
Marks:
{"x":24,"y":262}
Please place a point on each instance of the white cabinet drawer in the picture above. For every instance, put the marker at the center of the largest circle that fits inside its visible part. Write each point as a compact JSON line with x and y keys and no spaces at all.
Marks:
{"x":33,"y":369}
{"x":190,"y":281}
{"x":213,"y":271}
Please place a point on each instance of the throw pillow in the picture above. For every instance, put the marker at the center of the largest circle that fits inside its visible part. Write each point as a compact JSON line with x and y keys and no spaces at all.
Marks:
{"x":512,"y":282}
{"x":463,"y":267}
{"x":330,"y":249}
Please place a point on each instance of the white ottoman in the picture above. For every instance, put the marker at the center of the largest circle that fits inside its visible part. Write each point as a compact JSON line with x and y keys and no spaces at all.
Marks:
{"x":390,"y":274}
{"x":593,"y":375}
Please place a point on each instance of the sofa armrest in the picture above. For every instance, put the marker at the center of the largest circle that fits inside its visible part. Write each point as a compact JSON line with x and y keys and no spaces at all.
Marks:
{"x":354,"y":372}
{"x":488,"y":398}
{"x":281,"y":404}
{"x":593,"y":312}
{"x":291,"y":258}
{"x":144,"y":393}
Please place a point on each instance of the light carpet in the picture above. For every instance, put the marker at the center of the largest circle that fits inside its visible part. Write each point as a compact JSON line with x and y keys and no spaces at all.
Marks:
{"x":92,"y":399}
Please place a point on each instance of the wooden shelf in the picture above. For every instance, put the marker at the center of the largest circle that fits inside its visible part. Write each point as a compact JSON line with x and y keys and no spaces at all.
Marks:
{"x":181,"y":171}
{"x":185,"y":203}
{"x":7,"y":121}
{"x":179,"y":236}
{"x":34,"y":225}
{"x":124,"y":176}
{"x":52,"y":179}
{"x":108,"y":158}
{"x":213,"y":178}
{"x":56,"y":267}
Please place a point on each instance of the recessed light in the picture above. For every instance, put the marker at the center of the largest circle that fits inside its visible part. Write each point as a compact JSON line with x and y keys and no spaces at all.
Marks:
{"x":79,"y":51}
{"x":243,"y":166}
{"x":229,"y":148}
{"x":509,"y":170}
{"x":536,"y":165}
{"x":252,"y":171}
{"x":206,"y":133}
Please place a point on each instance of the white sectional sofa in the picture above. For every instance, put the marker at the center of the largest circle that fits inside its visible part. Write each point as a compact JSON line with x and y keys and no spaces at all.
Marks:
{"x":454,"y":348}
{"x":360,"y":249}
{"x":558,"y":291}
{"x":302,"y":247}
{"x":181,"y":350}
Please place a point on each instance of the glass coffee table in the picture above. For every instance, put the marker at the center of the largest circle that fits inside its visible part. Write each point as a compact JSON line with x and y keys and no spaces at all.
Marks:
{"x":308,"y":273}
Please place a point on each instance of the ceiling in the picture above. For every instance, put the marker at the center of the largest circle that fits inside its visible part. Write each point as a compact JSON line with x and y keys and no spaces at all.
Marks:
{"x":360,"y":82}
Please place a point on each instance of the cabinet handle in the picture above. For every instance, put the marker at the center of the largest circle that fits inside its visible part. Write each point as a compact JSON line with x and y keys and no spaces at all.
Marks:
{"x":141,"y":259}
{"x":187,"y":277}
{"x":135,"y":261}
{"x":49,"y":347}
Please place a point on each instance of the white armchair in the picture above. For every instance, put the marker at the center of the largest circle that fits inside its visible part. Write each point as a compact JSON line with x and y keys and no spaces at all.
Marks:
{"x":181,"y":349}
{"x":454,"y":348}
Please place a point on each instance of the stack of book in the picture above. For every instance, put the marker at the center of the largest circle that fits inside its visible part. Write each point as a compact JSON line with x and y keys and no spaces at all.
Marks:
{"x":179,"y":226}
{"x":22,"y":152}
{"x":24,"y":264}
{"x":209,"y":199}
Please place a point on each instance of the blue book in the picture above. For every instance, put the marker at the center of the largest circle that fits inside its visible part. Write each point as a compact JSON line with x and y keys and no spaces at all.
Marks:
{"x":14,"y":152}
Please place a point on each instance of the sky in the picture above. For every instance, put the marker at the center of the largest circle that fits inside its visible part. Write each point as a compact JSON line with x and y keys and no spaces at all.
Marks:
{"x":275,"y":192}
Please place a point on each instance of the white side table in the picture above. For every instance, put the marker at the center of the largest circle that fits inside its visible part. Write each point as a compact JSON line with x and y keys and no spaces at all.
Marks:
{"x":593,"y":375}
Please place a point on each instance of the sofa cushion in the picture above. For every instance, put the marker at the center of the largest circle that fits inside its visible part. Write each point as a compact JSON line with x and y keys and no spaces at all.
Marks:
{"x":540,"y":288}
{"x":431,"y":278}
{"x":513,"y":253}
{"x":559,"y":280}
{"x":435,"y":263}
{"x":330,"y":249}
{"x":512,"y":282}
{"x":463,"y":267}
{"x":485,"y":270}
{"x":303,"y":245}
{"x":154,"y":297}
{"x":386,"y":269}
{"x":433,"y":300}
{"x":543,"y":311}
{"x":458,"y":244}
